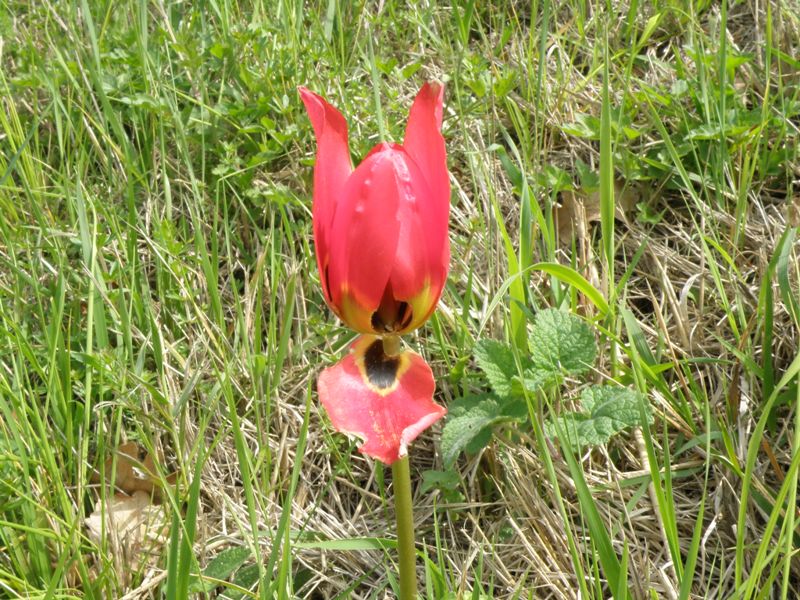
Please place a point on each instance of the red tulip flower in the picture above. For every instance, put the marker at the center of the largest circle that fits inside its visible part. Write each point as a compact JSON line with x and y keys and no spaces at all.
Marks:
{"x":381,"y":230}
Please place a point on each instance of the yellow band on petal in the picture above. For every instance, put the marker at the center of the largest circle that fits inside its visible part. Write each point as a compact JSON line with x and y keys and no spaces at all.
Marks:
{"x":413,"y":311}
{"x":422,"y":305}
{"x":353,"y":313}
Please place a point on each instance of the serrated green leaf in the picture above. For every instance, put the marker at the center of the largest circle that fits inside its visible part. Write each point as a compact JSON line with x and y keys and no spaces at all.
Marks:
{"x":226,"y":562}
{"x":514,"y":410}
{"x":246,"y":578}
{"x":481,"y":439}
{"x":496,"y":360}
{"x":608,"y":410}
{"x":470,"y":421}
{"x":561,"y":342}
{"x":464,"y":404}
{"x":469,"y":417}
{"x":535,"y":378}
{"x":443,"y":480}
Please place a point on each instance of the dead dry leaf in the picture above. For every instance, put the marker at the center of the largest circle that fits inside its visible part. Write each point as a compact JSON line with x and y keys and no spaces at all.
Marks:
{"x":134,"y":471}
{"x":578,"y":209}
{"x":133,"y":528}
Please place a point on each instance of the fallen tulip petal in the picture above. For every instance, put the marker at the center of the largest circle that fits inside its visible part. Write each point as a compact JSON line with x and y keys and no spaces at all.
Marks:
{"x":386,"y":401}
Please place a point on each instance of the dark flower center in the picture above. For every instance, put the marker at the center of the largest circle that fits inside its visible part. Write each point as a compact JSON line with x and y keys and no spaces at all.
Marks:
{"x":392,"y":315}
{"x":381,"y":369}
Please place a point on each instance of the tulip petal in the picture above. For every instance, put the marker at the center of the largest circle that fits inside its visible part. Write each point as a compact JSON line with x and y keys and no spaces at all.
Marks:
{"x":425,"y":144}
{"x":385,"y":401}
{"x":363,"y":238}
{"x":418,"y":261}
{"x":331,"y":171}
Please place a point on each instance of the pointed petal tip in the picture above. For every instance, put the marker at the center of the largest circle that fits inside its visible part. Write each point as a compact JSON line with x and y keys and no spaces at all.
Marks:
{"x":424,"y":117}
{"x":432,"y":93}
{"x":434,"y":88}
{"x":307,"y":95}
{"x":314,"y":103}
{"x":322,"y":113}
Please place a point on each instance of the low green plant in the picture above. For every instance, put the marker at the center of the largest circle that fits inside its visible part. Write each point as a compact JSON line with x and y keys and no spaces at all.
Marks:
{"x":234,"y":565}
{"x":560,"y":345}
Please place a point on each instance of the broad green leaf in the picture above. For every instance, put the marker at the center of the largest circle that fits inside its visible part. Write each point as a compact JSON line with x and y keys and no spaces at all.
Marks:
{"x":733,"y":61}
{"x":554,"y":179}
{"x":246,"y":579}
{"x":590,"y":180}
{"x":680,"y":87}
{"x":446,"y":480}
{"x":469,"y":424}
{"x":514,"y":409}
{"x":469,"y":417}
{"x":496,"y":360}
{"x":600,"y":400}
{"x":481,"y":439}
{"x":586,"y":126}
{"x":608,"y":410}
{"x":561,"y":342}
{"x":410,"y":69}
{"x":226,"y":562}
{"x":536,"y":378}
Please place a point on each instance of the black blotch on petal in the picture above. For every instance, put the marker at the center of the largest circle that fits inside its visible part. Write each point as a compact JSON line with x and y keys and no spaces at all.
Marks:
{"x":326,"y":289}
{"x":406,"y":312}
{"x":381,"y":369}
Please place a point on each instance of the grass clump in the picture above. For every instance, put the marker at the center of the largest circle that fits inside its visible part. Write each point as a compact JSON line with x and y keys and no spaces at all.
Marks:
{"x":634,"y":164}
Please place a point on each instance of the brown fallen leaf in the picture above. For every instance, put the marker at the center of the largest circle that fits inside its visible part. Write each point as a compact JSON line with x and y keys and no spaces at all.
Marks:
{"x":578,"y":209}
{"x":572,"y":215}
{"x":135,"y":471}
{"x":133,"y":528}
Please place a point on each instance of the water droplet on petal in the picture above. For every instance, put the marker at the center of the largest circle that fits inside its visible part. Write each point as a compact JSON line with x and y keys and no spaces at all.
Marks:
{"x":402,"y":171}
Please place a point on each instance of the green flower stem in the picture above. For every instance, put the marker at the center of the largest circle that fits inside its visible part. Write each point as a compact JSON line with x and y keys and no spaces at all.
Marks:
{"x":392,"y":345}
{"x":401,"y":480}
